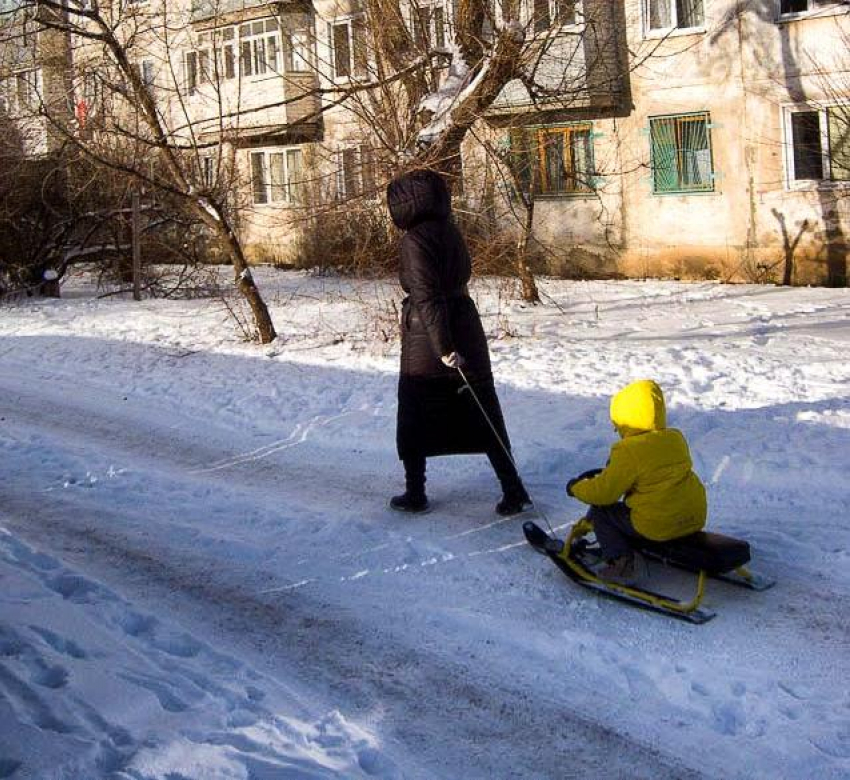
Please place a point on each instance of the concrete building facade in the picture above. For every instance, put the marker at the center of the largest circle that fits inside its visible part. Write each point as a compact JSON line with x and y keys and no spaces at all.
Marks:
{"x":693,"y":138}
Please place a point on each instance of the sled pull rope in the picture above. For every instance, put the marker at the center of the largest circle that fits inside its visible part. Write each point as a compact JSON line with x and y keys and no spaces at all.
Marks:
{"x":468,"y":386}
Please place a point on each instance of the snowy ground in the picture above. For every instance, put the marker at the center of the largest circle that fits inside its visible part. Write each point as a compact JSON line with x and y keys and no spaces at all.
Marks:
{"x":199,"y":577}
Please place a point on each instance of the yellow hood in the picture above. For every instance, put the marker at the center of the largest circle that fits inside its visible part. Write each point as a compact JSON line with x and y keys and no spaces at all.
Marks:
{"x":638,"y":408}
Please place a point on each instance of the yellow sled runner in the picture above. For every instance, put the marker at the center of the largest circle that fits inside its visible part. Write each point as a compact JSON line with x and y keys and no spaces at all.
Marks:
{"x":704,"y":553}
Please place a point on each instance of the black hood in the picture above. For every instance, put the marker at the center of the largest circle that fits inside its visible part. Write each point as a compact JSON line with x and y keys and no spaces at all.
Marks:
{"x":417,"y":196}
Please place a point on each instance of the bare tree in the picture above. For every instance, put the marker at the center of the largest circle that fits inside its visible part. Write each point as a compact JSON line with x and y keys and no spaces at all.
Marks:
{"x":137,"y":136}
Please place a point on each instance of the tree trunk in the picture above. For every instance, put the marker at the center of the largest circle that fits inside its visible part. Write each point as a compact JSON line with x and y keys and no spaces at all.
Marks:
{"x":530,"y":293}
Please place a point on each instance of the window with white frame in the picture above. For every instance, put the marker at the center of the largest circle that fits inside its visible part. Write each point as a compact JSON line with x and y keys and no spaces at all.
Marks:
{"x":299,"y":51}
{"x":27,"y":90}
{"x":259,"y":47}
{"x":428,"y":24}
{"x":546,"y":14}
{"x":663,"y":16}
{"x":355,"y":172}
{"x":682,"y":158}
{"x":799,"y":7}
{"x":277,"y":175}
{"x":348,"y":48}
{"x":818,"y":143}
{"x":554,"y":160}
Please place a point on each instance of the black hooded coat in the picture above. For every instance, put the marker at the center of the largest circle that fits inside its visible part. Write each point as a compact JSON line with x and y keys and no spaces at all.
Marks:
{"x":435,"y":415}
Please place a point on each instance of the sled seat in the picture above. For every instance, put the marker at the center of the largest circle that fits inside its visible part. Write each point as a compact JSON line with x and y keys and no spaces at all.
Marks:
{"x":705,"y":551}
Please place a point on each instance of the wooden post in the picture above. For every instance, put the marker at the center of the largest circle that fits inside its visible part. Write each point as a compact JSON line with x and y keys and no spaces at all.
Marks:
{"x":137,"y":249}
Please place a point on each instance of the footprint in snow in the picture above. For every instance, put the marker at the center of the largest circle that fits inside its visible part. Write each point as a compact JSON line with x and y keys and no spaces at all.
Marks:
{"x":60,"y":644}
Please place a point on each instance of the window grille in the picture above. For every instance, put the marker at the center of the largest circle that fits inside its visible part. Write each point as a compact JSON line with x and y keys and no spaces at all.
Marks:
{"x":681,"y":153}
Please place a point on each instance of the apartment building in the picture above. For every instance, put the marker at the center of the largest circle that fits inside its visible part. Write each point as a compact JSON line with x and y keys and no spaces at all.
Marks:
{"x":688,"y":138}
{"x":732,"y":161}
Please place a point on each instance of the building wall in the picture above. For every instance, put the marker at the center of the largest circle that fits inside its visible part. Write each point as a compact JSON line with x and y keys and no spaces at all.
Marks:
{"x":745,"y":71}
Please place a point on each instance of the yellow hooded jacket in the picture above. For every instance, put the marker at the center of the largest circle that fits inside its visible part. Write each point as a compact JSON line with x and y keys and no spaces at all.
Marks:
{"x":651,"y":465}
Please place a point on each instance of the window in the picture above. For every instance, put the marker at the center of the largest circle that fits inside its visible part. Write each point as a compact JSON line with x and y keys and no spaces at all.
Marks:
{"x":27,"y":85}
{"x":428,"y":25}
{"x":208,"y":171}
{"x":819,"y":144}
{"x":259,"y":48}
{"x":299,"y":52}
{"x":348,"y":49}
{"x":662,"y":16}
{"x":147,"y":73}
{"x":554,"y":160}
{"x":552,"y":13}
{"x":190,"y":71}
{"x":277,"y":176}
{"x":681,"y":153}
{"x":792,"y":7}
{"x":355,"y":173}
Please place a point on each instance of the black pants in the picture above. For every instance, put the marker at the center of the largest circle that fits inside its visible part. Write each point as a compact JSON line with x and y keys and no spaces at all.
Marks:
{"x":414,"y":471}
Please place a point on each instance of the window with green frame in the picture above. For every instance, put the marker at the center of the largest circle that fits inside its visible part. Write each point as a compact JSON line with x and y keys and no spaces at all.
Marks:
{"x":681,"y":153}
{"x":555,"y":160}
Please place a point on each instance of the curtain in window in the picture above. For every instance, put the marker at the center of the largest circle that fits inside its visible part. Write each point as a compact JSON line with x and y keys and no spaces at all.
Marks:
{"x":259,"y":177}
{"x":681,"y":154}
{"x":694,"y":153}
{"x":689,"y":13}
{"x":278,"y":176}
{"x":838,"y":122}
{"x":580,"y":141}
{"x":660,"y":17}
{"x":295,"y":175}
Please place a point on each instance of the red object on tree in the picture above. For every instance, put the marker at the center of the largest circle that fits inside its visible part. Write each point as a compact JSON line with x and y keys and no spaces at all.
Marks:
{"x":81,"y":111}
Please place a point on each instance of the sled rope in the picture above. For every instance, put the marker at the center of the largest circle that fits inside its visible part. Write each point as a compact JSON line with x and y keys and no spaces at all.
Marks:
{"x":468,"y":386}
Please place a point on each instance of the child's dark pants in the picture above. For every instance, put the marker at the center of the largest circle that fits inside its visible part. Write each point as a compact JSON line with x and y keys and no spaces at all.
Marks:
{"x":614,"y":530}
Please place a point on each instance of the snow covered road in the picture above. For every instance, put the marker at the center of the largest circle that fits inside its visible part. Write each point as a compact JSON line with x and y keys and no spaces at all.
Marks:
{"x":200,"y":578}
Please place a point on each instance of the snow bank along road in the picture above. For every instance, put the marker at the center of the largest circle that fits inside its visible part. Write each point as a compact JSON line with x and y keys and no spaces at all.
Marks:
{"x":203,"y":580}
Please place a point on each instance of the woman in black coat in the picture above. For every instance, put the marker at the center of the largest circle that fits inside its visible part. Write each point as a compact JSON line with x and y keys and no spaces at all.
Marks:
{"x":441,"y":330}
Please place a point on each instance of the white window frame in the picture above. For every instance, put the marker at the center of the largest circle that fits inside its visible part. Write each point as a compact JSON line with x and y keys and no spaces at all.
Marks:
{"x":298,"y":57}
{"x":354,"y":70}
{"x":260,"y":44}
{"x":814,"y":8}
{"x":674,"y":28}
{"x":554,"y":23}
{"x":437,"y":34}
{"x":31,"y":101}
{"x":362,"y":176}
{"x":287,"y":191}
{"x":827,"y":181}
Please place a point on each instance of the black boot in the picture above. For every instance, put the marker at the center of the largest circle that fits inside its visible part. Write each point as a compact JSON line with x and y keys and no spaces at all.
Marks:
{"x":514,"y":501}
{"x":413,"y":503}
{"x":413,"y":500}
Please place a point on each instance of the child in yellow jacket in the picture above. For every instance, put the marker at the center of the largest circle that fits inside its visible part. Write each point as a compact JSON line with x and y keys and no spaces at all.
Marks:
{"x":650,"y":468}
